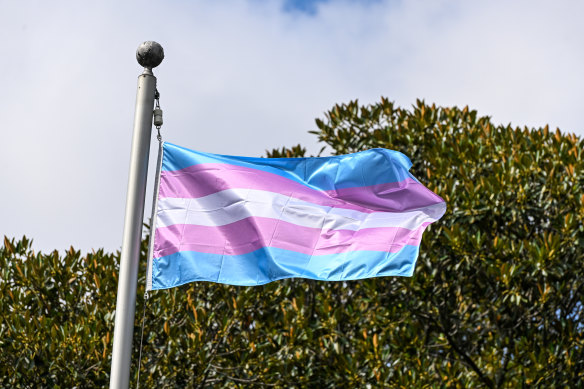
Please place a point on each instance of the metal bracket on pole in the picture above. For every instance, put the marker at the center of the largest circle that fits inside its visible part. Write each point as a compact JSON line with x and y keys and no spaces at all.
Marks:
{"x":149,"y":54}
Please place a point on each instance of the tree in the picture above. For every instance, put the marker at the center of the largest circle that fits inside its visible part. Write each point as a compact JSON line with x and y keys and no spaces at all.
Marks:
{"x":496,"y":299}
{"x":57,"y":317}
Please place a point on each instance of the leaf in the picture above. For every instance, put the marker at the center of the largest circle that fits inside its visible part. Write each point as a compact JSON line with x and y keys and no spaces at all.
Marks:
{"x":8,"y":246}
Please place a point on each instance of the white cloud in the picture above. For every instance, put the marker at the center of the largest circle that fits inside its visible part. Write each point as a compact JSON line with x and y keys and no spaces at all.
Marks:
{"x":244,"y":76}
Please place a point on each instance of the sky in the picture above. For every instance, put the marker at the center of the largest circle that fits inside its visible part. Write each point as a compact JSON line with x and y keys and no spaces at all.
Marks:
{"x":244,"y":76}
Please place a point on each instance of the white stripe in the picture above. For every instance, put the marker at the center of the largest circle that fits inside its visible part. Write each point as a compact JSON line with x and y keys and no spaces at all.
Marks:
{"x":231,"y":205}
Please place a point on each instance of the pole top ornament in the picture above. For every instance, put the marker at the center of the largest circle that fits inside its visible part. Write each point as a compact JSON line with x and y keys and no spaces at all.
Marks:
{"x":149,"y":54}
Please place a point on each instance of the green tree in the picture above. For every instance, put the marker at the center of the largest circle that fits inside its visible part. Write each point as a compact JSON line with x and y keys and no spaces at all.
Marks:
{"x":57,"y":317}
{"x":496,"y":299}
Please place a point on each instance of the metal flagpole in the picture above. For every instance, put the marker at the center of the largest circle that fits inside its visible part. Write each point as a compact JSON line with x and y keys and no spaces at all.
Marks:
{"x":149,"y":55}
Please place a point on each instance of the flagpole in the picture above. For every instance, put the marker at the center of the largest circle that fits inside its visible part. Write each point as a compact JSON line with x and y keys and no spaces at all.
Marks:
{"x":149,"y":55}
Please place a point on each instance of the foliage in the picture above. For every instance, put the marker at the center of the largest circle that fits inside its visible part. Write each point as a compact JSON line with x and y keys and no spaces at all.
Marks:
{"x":284,"y":152}
{"x":57,"y":317}
{"x":496,"y":299}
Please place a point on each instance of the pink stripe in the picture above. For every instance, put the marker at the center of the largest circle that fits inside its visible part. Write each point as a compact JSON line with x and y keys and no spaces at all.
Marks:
{"x":250,"y":234}
{"x":204,"y":179}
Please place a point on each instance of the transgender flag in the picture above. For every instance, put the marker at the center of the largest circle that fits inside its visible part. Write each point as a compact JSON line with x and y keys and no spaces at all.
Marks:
{"x":250,"y":221}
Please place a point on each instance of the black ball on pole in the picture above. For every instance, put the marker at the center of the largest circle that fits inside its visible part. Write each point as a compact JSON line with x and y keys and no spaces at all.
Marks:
{"x":149,"y":54}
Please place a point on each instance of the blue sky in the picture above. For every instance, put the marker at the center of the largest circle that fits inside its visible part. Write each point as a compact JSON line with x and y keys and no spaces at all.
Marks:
{"x":243,"y":76}
{"x":307,"y":6}
{"x":310,"y":7}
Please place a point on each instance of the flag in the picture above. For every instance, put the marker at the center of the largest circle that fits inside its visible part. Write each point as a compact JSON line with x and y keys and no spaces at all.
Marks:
{"x":250,"y":221}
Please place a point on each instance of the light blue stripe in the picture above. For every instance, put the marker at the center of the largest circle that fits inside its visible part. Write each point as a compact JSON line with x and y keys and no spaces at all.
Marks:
{"x":271,"y":264}
{"x":370,"y":167}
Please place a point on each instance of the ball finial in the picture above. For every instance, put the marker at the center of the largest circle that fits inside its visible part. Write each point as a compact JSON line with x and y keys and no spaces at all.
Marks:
{"x":150,"y":54}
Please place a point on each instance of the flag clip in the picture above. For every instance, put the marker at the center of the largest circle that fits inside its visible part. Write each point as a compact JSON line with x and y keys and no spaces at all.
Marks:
{"x":157,"y":115}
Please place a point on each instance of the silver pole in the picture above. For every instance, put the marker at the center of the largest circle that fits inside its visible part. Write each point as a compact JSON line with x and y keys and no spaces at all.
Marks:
{"x":149,"y":55}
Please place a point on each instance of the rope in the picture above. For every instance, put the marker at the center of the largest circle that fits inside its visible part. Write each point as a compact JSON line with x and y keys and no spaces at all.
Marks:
{"x":158,"y":123}
{"x":141,"y":339}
